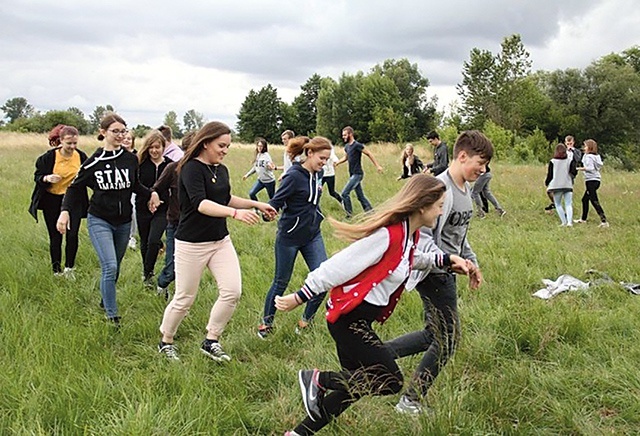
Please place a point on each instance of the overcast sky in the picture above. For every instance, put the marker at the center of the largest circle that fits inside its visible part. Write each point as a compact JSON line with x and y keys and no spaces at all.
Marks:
{"x":149,"y":57}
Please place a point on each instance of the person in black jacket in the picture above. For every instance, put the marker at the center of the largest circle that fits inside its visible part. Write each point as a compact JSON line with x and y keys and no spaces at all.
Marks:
{"x":112,"y":174}
{"x":299,"y":226}
{"x":55,"y":171}
{"x":440,"y":155}
{"x":411,"y":164}
{"x":151,"y":226}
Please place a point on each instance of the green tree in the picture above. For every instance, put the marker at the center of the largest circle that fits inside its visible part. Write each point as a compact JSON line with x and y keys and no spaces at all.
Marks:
{"x":96,"y":116}
{"x":260,"y":115}
{"x":305,"y":106}
{"x":193,"y":120}
{"x":171,"y":120}
{"x":17,"y":107}
{"x":336,"y":106}
{"x":141,"y":130}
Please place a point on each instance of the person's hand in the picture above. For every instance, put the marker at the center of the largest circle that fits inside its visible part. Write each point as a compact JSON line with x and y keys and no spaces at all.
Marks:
{"x":244,"y":177}
{"x":246,"y":216}
{"x":399,"y":177}
{"x":271,"y":166}
{"x":52,"y":178}
{"x":154,"y":202}
{"x":287,"y":302}
{"x":280,"y":178}
{"x":475,"y":275}
{"x":380,"y":169}
{"x":459,"y":265}
{"x":63,"y":223}
{"x":268,"y":211}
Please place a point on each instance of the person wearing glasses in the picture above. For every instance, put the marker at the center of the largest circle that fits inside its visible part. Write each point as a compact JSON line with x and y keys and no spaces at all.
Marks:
{"x":112,"y":174}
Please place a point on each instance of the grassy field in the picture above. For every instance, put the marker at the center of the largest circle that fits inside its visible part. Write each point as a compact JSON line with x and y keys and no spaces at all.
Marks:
{"x":524,"y":365}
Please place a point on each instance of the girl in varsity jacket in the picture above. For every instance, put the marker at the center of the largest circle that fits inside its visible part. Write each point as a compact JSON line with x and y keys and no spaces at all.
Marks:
{"x":365,"y":281}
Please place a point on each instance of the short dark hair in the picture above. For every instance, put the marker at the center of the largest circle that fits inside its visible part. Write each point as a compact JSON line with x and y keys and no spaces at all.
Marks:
{"x":348,"y":129}
{"x":433,"y":135}
{"x":474,"y":143}
{"x":166,"y":132}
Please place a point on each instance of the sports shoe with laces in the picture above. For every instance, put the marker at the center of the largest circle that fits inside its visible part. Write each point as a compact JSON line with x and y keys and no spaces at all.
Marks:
{"x":580,"y":221}
{"x":163,"y":292}
{"x":69,"y":273}
{"x":501,"y":212}
{"x":264,"y":331}
{"x":312,"y":392}
{"x":551,"y":207}
{"x":214,"y":350}
{"x":132,"y":243}
{"x":408,"y":406}
{"x":168,"y":350}
{"x":604,"y":225}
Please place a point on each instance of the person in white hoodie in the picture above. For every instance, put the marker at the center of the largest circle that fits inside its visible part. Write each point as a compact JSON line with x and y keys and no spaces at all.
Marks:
{"x":591,"y":164}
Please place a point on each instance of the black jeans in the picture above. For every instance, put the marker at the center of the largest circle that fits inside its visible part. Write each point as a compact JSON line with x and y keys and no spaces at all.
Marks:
{"x":439,"y":337}
{"x":368,"y":368}
{"x":51,"y":215}
{"x":150,"y":227}
{"x":591,"y":195}
{"x":331,"y":184}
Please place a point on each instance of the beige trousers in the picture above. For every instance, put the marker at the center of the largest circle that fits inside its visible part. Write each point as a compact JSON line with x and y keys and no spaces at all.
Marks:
{"x":191,"y":258}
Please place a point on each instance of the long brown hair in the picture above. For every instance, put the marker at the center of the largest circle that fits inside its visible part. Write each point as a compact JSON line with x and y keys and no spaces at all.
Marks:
{"x":153,"y":137}
{"x":209,"y":132}
{"x":419,"y":192}
{"x":560,"y":151}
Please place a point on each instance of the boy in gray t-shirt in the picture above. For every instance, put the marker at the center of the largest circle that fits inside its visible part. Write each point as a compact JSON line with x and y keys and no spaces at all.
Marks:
{"x":437,"y":289}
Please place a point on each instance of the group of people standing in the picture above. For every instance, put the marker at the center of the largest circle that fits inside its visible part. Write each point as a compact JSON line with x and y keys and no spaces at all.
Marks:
{"x":567,"y":161}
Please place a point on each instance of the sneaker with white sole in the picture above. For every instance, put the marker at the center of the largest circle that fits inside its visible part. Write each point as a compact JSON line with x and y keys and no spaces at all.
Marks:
{"x":604,"y":225}
{"x":164,"y":292}
{"x":264,"y":331}
{"x":132,"y":243}
{"x":408,"y":406}
{"x":580,"y":221}
{"x":69,"y":273}
{"x":214,"y":350}
{"x":501,"y":212}
{"x":312,"y":392}
{"x":168,"y":350}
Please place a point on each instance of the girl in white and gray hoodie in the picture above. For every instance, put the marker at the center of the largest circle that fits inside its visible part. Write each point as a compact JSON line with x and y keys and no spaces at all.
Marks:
{"x":591,"y":164}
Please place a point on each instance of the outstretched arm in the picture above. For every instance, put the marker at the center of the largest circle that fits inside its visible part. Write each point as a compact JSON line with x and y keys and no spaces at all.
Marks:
{"x":373,"y":159}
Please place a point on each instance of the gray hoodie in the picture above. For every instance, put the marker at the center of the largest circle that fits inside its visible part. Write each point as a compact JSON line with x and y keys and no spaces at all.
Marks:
{"x":592,"y":164}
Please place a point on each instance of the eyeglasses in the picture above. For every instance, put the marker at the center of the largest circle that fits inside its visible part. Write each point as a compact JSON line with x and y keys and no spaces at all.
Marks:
{"x":118,"y":132}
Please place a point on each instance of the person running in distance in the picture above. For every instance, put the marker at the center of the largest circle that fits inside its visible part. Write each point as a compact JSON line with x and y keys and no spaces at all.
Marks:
{"x":263,"y":166}
{"x":329,"y":175}
{"x":411,"y":164}
{"x":202,"y":239}
{"x":437,"y":289}
{"x":55,"y":170}
{"x":354,"y":151}
{"x":559,"y":182}
{"x":481,"y":193}
{"x":286,"y":160}
{"x":299,"y":225}
{"x":591,"y":165}
{"x":112,"y":174}
{"x":151,"y":226}
{"x":365,"y":281}
{"x":440,"y":155}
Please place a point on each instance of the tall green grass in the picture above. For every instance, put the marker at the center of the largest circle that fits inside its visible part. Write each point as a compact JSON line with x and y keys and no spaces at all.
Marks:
{"x":524,"y":366}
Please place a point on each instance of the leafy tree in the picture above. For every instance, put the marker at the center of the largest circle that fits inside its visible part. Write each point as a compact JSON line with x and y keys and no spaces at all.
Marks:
{"x":17,"y":107}
{"x":305,"y":106}
{"x":193,"y":120}
{"x":336,"y":106}
{"x":171,"y":120}
{"x":141,"y":130}
{"x":260,"y":115}
{"x":96,"y":116}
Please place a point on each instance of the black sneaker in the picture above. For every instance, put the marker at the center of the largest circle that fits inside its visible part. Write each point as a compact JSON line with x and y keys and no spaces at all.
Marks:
{"x":168,"y":350}
{"x":550,"y":207}
{"x":312,"y":392}
{"x":214,"y":350}
{"x":115,"y":321}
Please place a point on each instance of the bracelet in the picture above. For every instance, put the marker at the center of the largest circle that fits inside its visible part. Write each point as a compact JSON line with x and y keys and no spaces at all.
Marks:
{"x":235,"y":212}
{"x":297,"y":298}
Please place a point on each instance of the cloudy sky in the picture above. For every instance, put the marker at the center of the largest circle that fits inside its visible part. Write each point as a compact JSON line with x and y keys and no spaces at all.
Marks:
{"x":149,"y":57}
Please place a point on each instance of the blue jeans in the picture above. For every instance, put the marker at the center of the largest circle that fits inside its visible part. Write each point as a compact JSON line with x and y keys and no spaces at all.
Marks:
{"x":168,"y":273}
{"x":355,"y":182}
{"x":110,"y":242}
{"x":314,"y":254}
{"x":259,"y":186}
{"x":565,"y":214}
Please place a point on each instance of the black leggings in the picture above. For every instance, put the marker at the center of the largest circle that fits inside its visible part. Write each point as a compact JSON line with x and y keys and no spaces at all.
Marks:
{"x":368,"y":368}
{"x":51,"y":214}
{"x":331,"y":184}
{"x":591,"y":195}
{"x":150,"y":227}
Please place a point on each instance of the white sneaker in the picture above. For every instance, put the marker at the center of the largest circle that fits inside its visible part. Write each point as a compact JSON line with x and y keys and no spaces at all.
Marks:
{"x":604,"y":225}
{"x":132,"y":243}
{"x":580,"y":221}
{"x":69,"y":273}
{"x":408,"y":406}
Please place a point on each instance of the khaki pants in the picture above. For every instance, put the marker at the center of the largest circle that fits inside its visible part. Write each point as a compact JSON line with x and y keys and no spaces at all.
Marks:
{"x":190,"y":261}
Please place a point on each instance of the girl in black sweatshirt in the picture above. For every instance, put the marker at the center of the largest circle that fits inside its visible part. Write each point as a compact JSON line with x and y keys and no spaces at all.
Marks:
{"x":112,"y":174}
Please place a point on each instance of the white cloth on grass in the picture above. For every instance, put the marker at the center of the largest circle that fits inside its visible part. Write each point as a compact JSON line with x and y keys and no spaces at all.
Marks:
{"x":563,"y":283}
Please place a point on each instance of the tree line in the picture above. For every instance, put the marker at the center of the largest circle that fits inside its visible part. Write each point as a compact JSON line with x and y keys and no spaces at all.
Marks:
{"x":523,"y":112}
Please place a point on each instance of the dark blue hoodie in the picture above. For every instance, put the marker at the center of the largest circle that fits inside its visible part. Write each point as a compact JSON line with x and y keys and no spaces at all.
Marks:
{"x":298,"y":197}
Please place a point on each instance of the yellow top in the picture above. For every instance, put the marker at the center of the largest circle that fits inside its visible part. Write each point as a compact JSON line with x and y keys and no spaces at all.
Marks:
{"x":67,"y":168}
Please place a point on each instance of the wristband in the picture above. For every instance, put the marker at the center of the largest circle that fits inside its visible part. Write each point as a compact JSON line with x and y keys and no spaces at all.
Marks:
{"x":235,"y":212}
{"x":297,"y":298}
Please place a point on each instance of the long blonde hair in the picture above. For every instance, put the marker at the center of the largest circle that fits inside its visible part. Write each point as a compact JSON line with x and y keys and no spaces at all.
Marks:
{"x":153,"y":137}
{"x":419,"y":192}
